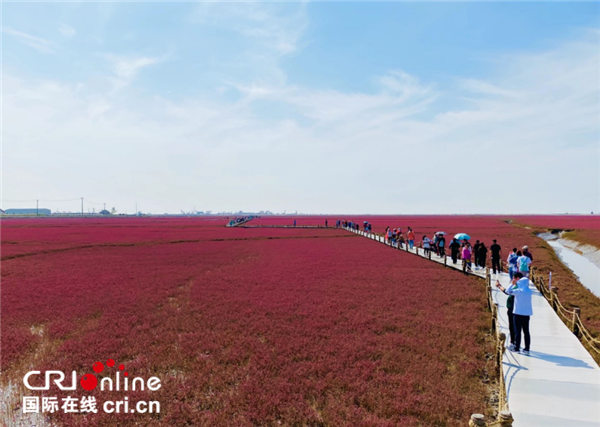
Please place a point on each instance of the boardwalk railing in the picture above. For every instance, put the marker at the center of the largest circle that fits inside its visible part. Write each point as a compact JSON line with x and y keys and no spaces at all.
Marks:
{"x":504,"y":418}
{"x":572,"y":318}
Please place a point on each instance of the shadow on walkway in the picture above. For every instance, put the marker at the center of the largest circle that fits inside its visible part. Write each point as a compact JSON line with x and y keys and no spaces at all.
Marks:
{"x":564,"y":361}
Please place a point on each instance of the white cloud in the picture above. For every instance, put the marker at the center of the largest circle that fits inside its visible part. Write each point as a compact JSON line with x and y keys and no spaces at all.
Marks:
{"x":482,"y":87}
{"x":66,"y":30}
{"x":38,"y":43}
{"x":276,"y":26}
{"x":127,"y":67}
{"x":533,"y":125}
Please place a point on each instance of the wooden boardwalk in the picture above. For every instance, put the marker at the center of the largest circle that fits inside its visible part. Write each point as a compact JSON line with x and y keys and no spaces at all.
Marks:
{"x":558,"y":383}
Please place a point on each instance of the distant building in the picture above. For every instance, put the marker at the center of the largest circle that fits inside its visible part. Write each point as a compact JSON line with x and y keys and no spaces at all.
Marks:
{"x":104,"y":212}
{"x":28,"y":211}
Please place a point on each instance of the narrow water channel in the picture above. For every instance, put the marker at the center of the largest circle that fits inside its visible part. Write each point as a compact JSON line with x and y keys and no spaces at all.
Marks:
{"x":586,"y":271}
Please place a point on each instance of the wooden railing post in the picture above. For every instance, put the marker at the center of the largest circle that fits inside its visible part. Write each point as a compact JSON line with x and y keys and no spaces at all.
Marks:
{"x":477,"y":420}
{"x":576,"y":315}
{"x":505,"y":418}
{"x":554,"y":297}
{"x":494,"y":318}
{"x":502,"y":341}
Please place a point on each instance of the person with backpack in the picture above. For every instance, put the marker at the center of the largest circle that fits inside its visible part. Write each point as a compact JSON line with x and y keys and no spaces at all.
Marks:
{"x":522,"y":310}
{"x":426,"y":245}
{"x":496,"y":254}
{"x":511,"y":261}
{"x":441,"y":246}
{"x":523,"y":263}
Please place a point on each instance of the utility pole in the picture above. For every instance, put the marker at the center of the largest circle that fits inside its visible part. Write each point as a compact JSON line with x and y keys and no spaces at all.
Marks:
{"x":37,"y":207}
{"x":104,"y":206}
{"x":82,"y":206}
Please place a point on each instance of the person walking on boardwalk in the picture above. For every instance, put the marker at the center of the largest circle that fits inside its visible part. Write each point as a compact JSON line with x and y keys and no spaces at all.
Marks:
{"x":442,"y":246}
{"x":294,"y":223}
{"x":475,"y":253}
{"x":411,"y":238}
{"x":510,"y":305}
{"x":454,"y":248}
{"x":523,"y":263}
{"x":496,"y":254}
{"x":426,"y":245}
{"x":466,"y":258}
{"x":482,"y":255}
{"x":527,"y":253}
{"x":522,"y":310}
{"x":325,"y":223}
{"x":511,"y":261}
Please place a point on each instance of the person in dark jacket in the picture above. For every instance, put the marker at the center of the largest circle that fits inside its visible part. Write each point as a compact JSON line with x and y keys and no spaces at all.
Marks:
{"x":482,"y":255}
{"x":475,"y":254}
{"x":510,"y":304}
{"x":496,"y":254}
{"x":527,"y":253}
{"x":454,"y":248}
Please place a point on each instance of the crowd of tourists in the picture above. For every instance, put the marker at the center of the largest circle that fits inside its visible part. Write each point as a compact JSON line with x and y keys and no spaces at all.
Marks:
{"x":340,"y":223}
{"x":518,"y":262}
{"x":240,"y":219}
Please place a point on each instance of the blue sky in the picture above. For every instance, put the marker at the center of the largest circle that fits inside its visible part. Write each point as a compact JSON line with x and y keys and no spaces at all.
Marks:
{"x":229,"y":106}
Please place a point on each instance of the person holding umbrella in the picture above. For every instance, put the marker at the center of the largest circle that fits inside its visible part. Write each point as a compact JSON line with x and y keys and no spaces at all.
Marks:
{"x":441,"y":244}
{"x":462,"y":236}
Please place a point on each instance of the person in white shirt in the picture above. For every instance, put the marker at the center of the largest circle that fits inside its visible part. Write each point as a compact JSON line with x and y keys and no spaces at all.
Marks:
{"x":522,"y":310}
{"x":426,"y":245}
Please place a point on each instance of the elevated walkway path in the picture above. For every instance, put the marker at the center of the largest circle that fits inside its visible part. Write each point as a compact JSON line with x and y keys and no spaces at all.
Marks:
{"x":558,"y":383}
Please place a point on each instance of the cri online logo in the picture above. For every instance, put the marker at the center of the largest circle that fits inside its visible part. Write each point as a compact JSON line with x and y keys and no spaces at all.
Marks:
{"x":90,"y":382}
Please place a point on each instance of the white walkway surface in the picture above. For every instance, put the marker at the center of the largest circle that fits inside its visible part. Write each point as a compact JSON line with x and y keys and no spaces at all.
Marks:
{"x":558,"y":383}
